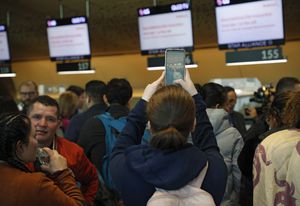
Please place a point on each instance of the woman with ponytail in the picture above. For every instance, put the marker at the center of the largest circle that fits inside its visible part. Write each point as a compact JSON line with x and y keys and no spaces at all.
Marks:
{"x":19,"y":186}
{"x":169,"y":162}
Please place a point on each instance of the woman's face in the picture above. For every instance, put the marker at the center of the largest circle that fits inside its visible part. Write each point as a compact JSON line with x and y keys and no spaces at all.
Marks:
{"x":28,"y":151}
{"x":271,"y":121}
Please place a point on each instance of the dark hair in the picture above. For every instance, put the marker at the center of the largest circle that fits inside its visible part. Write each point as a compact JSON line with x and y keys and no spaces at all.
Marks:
{"x":277,"y":107}
{"x":118,"y":91}
{"x":198,"y":87}
{"x":46,"y":101}
{"x":171,"y":112}
{"x":14,"y":127}
{"x":213,"y":94}
{"x":75,"y":89}
{"x":286,"y":84}
{"x":228,"y":89}
{"x":7,"y":103}
{"x":95,"y":89}
{"x":291,"y":117}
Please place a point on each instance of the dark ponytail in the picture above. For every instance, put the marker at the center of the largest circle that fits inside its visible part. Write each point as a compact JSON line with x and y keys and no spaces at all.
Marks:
{"x":169,"y":138}
{"x":14,"y":127}
{"x":171,"y":113}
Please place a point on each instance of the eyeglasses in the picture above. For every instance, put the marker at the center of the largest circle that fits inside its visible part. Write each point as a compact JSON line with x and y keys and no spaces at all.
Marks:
{"x":31,"y":94}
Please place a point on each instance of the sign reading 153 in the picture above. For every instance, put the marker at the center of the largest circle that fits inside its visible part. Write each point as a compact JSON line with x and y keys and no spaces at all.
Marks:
{"x":270,"y":54}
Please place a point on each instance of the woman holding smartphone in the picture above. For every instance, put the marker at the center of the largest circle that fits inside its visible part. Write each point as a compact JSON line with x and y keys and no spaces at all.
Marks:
{"x":168,"y":162}
{"x":19,"y":186}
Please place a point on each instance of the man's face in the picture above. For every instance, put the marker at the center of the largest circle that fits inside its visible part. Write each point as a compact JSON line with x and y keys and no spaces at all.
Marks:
{"x":45,"y":122}
{"x":81,"y":101}
{"x":231,"y":101}
{"x":27,"y":93}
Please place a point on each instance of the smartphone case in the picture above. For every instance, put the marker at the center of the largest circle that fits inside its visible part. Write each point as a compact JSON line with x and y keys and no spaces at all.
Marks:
{"x":175,"y":65}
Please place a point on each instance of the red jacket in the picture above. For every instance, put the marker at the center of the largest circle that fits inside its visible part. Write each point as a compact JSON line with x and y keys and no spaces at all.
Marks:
{"x":85,"y":172}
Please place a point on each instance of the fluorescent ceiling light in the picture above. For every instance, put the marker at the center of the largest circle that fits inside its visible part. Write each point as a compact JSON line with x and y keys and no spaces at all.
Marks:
{"x":188,"y":66}
{"x":77,"y":72}
{"x":257,"y":62}
{"x":8,"y":75}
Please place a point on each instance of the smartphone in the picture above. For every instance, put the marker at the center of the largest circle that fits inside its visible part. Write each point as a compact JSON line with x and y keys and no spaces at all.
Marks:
{"x":42,"y":156}
{"x":175,"y":65}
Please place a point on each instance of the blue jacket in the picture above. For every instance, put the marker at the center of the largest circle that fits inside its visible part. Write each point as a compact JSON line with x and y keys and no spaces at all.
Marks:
{"x":137,"y":169}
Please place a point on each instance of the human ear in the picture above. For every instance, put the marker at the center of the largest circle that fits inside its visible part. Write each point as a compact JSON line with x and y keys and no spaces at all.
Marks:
{"x":105,"y":100}
{"x":19,"y":149}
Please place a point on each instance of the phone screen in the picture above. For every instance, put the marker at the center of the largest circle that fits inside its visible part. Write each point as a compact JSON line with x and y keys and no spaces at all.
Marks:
{"x":175,"y":65}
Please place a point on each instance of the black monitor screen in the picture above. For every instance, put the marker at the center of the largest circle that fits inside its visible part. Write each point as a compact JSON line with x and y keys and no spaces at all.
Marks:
{"x":68,"y":38}
{"x":245,"y":23}
{"x":167,"y":26}
{"x":4,"y":47}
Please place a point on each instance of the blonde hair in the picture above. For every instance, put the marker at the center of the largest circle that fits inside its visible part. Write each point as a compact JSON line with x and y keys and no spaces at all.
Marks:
{"x":67,"y":103}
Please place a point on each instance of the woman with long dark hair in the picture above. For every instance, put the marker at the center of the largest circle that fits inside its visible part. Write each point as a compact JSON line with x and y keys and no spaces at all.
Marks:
{"x":19,"y":186}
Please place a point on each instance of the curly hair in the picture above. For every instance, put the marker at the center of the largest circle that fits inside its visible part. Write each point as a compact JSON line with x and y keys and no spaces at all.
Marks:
{"x":291,"y":113}
{"x":277,"y":107}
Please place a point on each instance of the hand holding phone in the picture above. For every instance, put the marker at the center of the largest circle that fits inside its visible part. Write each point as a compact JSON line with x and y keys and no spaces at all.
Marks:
{"x":42,"y":156}
{"x":53,"y":161}
{"x":175,"y":65}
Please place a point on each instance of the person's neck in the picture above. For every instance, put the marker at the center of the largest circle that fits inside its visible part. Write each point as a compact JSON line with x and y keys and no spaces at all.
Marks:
{"x":50,"y":144}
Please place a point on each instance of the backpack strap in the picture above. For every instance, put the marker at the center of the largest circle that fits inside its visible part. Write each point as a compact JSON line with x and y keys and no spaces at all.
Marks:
{"x":197,"y":182}
{"x":111,"y":125}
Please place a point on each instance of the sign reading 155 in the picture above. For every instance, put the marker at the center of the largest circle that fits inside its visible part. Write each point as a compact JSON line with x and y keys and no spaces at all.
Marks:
{"x":83,"y":65}
{"x":269,"y":54}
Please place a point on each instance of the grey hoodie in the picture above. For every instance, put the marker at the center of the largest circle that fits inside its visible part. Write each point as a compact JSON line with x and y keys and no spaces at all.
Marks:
{"x":230,"y":143}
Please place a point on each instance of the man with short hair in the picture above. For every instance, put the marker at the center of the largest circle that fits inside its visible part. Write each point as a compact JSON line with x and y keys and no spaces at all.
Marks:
{"x":94,"y":90}
{"x":236,"y":119}
{"x":28,"y":91}
{"x":92,"y":134}
{"x":44,"y":115}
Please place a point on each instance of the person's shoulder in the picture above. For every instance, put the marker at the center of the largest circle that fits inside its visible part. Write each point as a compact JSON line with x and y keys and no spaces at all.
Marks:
{"x":64,"y":144}
{"x":284,"y":135}
{"x":77,"y":118}
{"x":91,"y":124}
{"x":233,"y":133}
{"x":238,"y":115}
{"x":94,"y":120}
{"x":33,"y":178}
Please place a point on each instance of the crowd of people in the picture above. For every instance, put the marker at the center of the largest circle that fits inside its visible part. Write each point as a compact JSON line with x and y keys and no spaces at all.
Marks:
{"x":194,"y":133}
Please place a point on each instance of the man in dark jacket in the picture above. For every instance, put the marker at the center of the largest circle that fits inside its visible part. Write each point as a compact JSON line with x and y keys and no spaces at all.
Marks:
{"x":94,"y":90}
{"x":92,"y":134}
{"x":236,"y":119}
